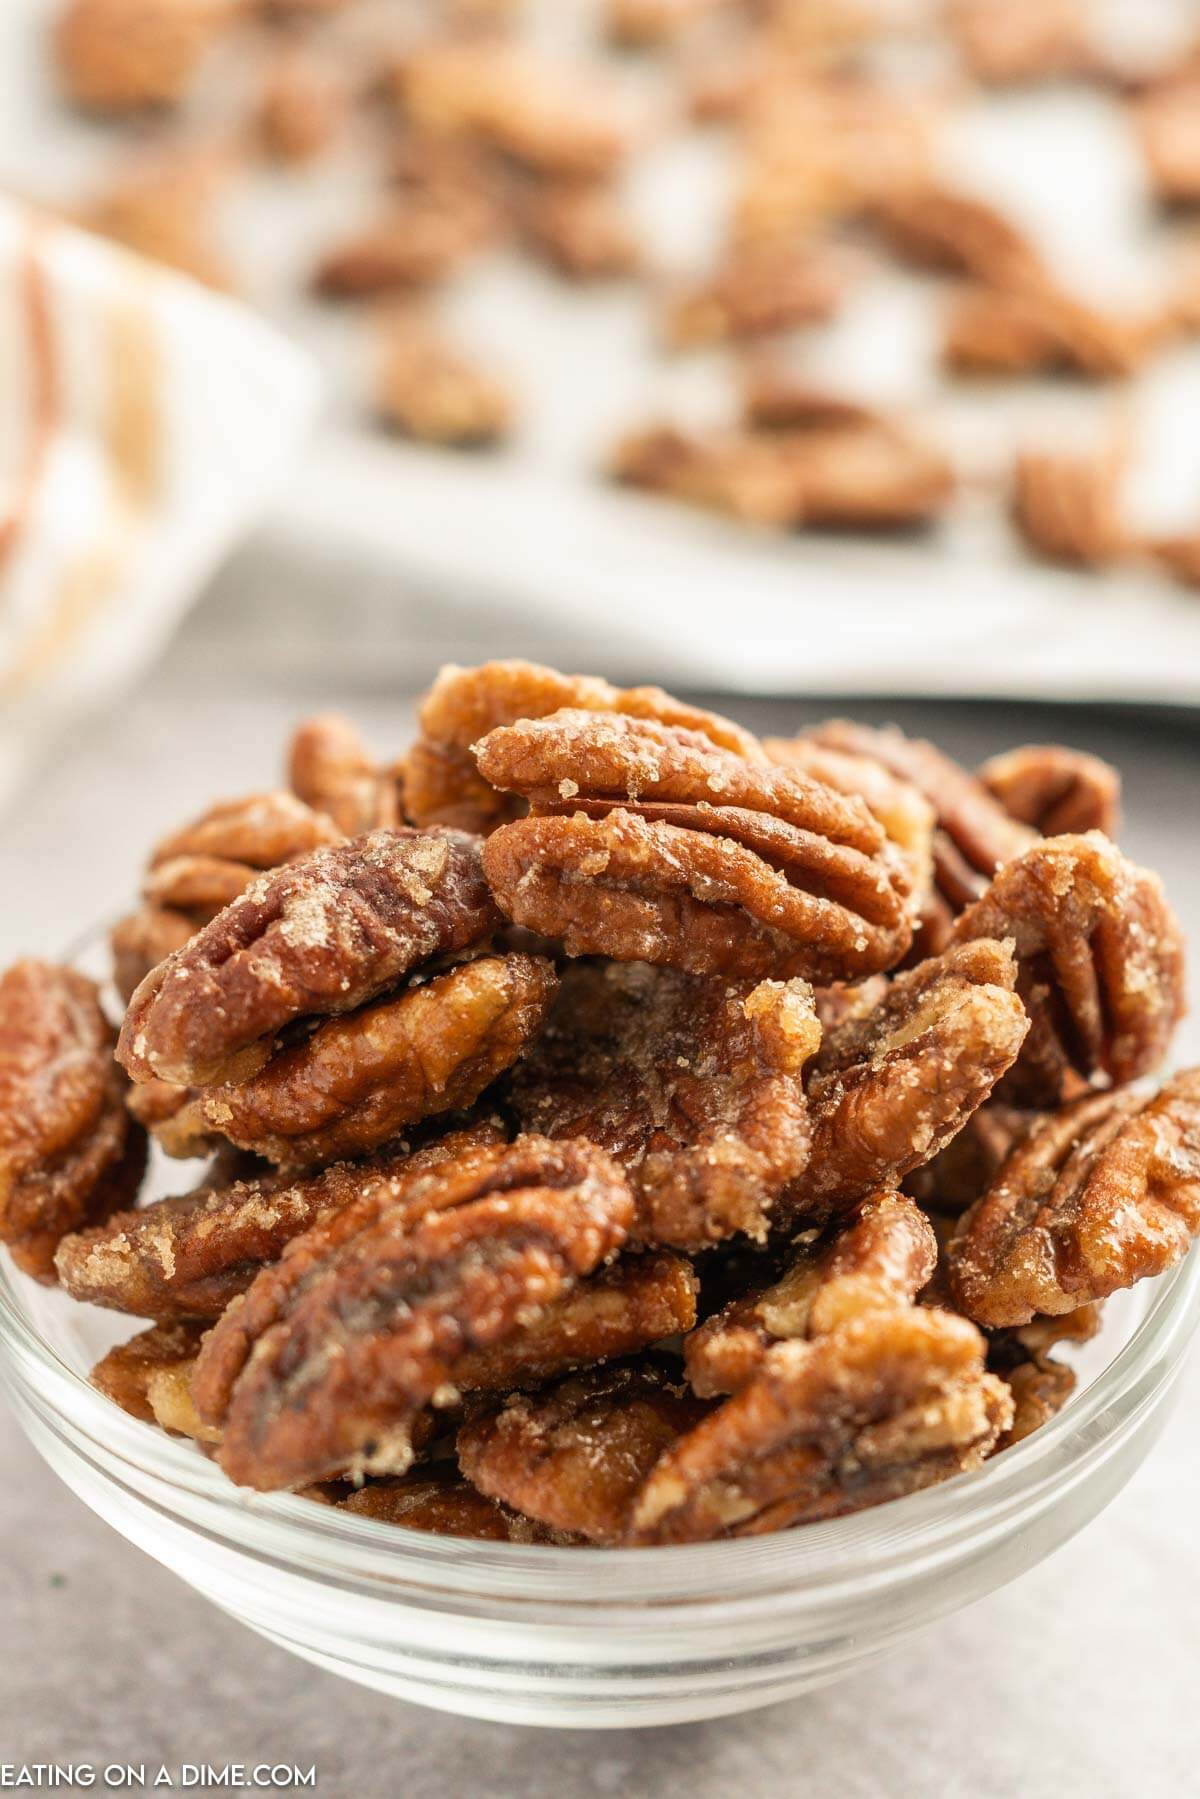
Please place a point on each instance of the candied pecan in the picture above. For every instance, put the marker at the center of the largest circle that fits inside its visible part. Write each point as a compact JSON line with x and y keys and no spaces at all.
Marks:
{"x":301,"y":109}
{"x":1067,"y":507}
{"x":1100,"y":963}
{"x":126,"y":55}
{"x":881,"y":1255}
{"x":692,"y":1084}
{"x":188,"y":1256}
{"x":635,"y":1302}
{"x":1037,"y":329}
{"x":331,"y":770}
{"x":69,"y":1152}
{"x":436,"y":394}
{"x":776,"y":397}
{"x":320,"y":936}
{"x":1005,"y":43}
{"x":903,"y":811}
{"x":1167,"y":123}
{"x":1040,"y":1386}
{"x":1056,"y":790}
{"x":648,"y":843}
{"x":324,"y":1363}
{"x":751,"y":476}
{"x":359,"y":1080}
{"x":1098,"y":1196}
{"x":974,"y":835}
{"x":143,"y":939}
{"x":939,"y":227}
{"x":892,"y":1086}
{"x":549,"y":117}
{"x":581,"y":229}
{"x":443,"y":785}
{"x":880,"y":1406}
{"x":758,"y":291}
{"x":964,"y":1170}
{"x":438,"y":1499}
{"x":126,"y":1373}
{"x":575,"y":1457}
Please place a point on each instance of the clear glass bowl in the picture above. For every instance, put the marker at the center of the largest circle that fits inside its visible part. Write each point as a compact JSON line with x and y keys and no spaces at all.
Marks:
{"x":593,"y":1637}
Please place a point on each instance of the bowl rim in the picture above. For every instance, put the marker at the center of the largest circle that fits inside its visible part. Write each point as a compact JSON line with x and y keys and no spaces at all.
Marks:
{"x":812,"y":1568}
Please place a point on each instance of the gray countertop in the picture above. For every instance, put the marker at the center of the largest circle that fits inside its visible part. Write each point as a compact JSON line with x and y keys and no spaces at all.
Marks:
{"x":1075,"y":1679}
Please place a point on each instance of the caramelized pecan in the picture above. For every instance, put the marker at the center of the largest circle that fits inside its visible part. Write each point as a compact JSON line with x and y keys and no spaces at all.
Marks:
{"x":331,"y":770}
{"x":1102,"y":1194}
{"x":943,"y":228}
{"x":1055,"y":790}
{"x":647,"y":843}
{"x":581,"y":229}
{"x":127,"y":1374}
{"x":1039,"y":329}
{"x":126,"y":55}
{"x":1067,"y":508}
{"x":438,"y":1499}
{"x":70,"y":1153}
{"x":320,"y":936}
{"x":434,"y":392}
{"x":693,"y":1085}
{"x":756,"y":292}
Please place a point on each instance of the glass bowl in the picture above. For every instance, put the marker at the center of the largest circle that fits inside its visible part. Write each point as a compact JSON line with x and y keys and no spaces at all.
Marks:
{"x":593,"y":1637}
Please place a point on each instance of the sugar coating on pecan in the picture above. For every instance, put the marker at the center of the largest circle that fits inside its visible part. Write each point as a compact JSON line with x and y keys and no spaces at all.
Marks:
{"x":880,"y":1406}
{"x":330,"y":768}
{"x":126,"y":1373}
{"x":70,"y":1154}
{"x":357,"y":1081}
{"x":693,"y":1084}
{"x":974,"y":835}
{"x":1103,"y":1193}
{"x":320,"y":936}
{"x":635,"y":1302}
{"x":1100,"y":963}
{"x":648,"y":843}
{"x":368,"y":1334}
{"x":881,"y":1255}
{"x":437,"y":1498}
{"x":1055,"y":790}
{"x":964,"y":1170}
{"x":464,"y":704}
{"x":575,"y":1457}
{"x":891,"y":1087}
{"x":190,"y":1255}
{"x":197,"y":871}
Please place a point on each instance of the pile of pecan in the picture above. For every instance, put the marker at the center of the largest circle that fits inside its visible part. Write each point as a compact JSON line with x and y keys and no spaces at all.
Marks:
{"x":612,"y":1128}
{"x":472,"y":143}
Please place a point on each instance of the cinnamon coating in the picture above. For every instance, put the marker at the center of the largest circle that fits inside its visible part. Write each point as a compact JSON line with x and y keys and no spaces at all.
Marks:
{"x":321,"y":936}
{"x":647,"y":843}
{"x":692,"y":1084}
{"x":1103,"y":1194}
{"x":70,"y":1154}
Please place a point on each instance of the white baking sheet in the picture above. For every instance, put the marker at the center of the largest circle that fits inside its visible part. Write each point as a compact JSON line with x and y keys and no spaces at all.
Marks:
{"x":700,"y":599}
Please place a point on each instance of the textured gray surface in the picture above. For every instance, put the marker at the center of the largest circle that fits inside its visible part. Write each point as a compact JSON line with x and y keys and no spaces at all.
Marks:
{"x":1073,"y":1680}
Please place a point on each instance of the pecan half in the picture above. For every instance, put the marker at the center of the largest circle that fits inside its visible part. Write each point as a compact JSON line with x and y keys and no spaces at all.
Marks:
{"x":434,"y":392}
{"x":1039,"y":329}
{"x":198,"y":870}
{"x":360,"y":1338}
{"x":880,"y":1406}
{"x":637,"y":24}
{"x":1067,"y":508}
{"x":188,"y":1256}
{"x":330,"y":768}
{"x":757,"y":292}
{"x":464,"y":704}
{"x":1040,"y":1385}
{"x":127,"y":1373}
{"x":1100,"y":963}
{"x":301,"y":109}
{"x":647,"y":843}
{"x":416,"y":243}
{"x":357,"y":1081}
{"x":575,"y":1457}
{"x":581,"y":229}
{"x":974,"y":835}
{"x":938,"y":227}
{"x":127,"y":55}
{"x":320,"y":936}
{"x":880,"y":1256}
{"x":1103,"y":1194}
{"x":693,"y":1085}
{"x":1056,"y":790}
{"x":891,"y":1087}
{"x":70,"y":1154}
